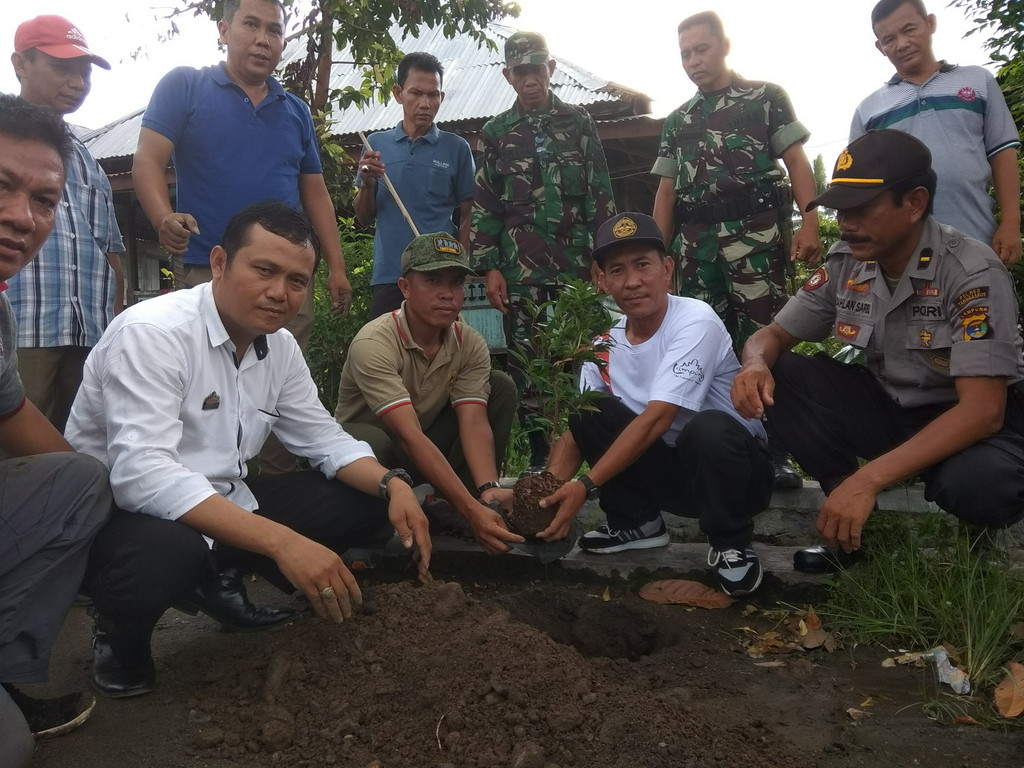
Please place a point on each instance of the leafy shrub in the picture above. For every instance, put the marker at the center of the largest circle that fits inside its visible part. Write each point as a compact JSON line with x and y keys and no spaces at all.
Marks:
{"x":333,"y":333}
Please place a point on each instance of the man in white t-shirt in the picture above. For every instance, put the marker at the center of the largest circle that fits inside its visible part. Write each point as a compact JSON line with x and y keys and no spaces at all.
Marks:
{"x":667,"y":437}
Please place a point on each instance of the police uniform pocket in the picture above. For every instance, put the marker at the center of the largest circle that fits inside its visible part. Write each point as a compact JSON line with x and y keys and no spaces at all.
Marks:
{"x":929,"y":346}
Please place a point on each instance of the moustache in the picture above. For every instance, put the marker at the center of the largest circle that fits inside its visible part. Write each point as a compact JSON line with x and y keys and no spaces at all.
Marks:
{"x":853,"y":238}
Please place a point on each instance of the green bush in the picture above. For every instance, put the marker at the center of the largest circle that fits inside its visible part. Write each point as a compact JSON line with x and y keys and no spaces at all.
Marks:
{"x":333,"y":333}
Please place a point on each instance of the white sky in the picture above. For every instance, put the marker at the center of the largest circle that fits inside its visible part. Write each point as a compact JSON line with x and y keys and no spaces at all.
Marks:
{"x":822,"y":53}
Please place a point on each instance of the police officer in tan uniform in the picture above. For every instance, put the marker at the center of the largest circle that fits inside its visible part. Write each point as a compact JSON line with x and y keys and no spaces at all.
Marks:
{"x":935,"y":314}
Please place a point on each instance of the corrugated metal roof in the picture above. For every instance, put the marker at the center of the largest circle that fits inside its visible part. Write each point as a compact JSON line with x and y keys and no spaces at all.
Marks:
{"x":475,"y":90}
{"x":116,"y":139}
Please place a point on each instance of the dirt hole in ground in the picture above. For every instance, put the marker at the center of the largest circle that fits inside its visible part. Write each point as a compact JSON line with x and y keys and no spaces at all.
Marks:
{"x":593,"y":626}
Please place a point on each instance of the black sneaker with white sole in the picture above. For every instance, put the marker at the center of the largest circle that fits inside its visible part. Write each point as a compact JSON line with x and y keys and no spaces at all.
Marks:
{"x":738,"y":570}
{"x":605,"y":540}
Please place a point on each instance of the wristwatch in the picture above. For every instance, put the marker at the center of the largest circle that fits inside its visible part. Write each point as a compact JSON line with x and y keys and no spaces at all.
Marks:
{"x":487,"y":486}
{"x":593,"y":489}
{"x":382,"y":489}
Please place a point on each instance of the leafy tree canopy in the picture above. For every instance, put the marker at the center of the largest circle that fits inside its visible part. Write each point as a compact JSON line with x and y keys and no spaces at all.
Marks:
{"x":362,"y":28}
{"x":1002,"y":22}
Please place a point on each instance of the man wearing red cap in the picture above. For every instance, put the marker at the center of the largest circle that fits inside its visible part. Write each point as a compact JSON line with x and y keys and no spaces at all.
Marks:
{"x":67,"y":296}
{"x":941,"y":393}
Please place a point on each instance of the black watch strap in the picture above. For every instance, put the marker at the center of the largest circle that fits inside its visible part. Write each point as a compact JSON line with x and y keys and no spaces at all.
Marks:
{"x":593,"y":489}
{"x":382,"y":489}
{"x":487,"y":486}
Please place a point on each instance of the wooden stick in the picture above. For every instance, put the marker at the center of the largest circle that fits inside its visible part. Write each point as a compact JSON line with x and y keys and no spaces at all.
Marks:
{"x":393,"y":191}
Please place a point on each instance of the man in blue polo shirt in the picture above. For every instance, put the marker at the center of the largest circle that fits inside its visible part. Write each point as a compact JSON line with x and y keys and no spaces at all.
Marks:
{"x":432,"y":171}
{"x":236,"y":137}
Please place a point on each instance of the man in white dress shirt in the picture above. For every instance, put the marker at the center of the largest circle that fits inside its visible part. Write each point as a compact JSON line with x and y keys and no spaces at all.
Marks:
{"x":180,"y":392}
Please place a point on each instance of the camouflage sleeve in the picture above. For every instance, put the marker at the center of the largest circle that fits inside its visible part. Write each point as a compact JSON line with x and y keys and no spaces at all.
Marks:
{"x":666,"y":163}
{"x":784,"y":129}
{"x":600,"y":200}
{"x":488,"y":218}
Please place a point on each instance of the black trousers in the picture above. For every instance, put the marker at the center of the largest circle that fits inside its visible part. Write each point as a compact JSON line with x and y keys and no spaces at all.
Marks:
{"x":828,"y":414}
{"x":717,"y":472}
{"x":140,"y":565}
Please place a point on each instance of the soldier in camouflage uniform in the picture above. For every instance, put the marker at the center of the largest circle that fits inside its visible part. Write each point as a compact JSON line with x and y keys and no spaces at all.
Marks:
{"x":721,"y":200}
{"x":542,"y":191}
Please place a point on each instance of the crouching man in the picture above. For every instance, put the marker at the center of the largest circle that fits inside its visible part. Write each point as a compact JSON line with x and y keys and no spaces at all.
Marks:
{"x":666,"y":437}
{"x":418,"y":387}
{"x":53,"y":501}
{"x":180,"y":393}
{"x":935,"y":314}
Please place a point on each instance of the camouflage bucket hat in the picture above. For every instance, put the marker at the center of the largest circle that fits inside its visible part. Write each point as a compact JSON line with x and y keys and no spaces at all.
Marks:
{"x":429,"y":253}
{"x":526,"y":48}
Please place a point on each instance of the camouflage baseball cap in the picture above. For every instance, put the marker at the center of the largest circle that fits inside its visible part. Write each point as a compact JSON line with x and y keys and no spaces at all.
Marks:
{"x":429,"y":253}
{"x":871,"y":164}
{"x":526,"y":48}
{"x":626,"y":228}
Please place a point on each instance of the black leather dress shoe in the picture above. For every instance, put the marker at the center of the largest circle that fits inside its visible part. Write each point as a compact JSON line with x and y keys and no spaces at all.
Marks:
{"x":821,"y":559}
{"x":223,"y":599}
{"x":786,"y":475}
{"x":119,"y":678}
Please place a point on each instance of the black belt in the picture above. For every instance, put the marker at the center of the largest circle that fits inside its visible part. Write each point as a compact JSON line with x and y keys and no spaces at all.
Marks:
{"x":733,"y":208}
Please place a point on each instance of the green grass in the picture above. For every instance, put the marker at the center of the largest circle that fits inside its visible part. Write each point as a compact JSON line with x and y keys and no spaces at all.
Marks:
{"x":926,"y":583}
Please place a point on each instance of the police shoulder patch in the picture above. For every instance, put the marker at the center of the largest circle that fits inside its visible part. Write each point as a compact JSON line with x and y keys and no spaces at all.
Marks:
{"x":816,"y":280}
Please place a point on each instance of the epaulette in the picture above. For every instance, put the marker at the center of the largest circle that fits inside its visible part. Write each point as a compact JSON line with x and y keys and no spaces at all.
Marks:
{"x":974,"y":256}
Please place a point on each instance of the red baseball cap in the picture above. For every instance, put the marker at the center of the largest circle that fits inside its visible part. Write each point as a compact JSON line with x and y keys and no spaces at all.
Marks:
{"x":54,"y":36}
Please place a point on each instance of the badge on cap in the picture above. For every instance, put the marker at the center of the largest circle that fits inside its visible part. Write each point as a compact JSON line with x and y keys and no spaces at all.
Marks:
{"x":624,"y":227}
{"x":446,"y":245}
{"x":845,"y":160}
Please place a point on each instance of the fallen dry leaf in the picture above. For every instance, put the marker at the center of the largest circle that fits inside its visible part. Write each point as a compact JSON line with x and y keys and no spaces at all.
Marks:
{"x":769,"y":642}
{"x":811,"y":619}
{"x":868,"y":702}
{"x":607,"y":594}
{"x":1010,"y":692}
{"x":857,"y":714}
{"x":684,"y":592}
{"x":965,"y":720}
{"x":811,"y":633}
{"x":917,"y":658}
{"x":769,"y":663}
